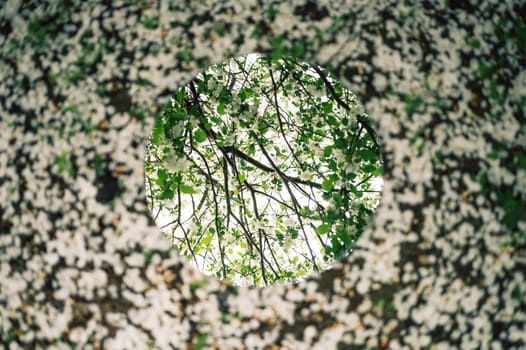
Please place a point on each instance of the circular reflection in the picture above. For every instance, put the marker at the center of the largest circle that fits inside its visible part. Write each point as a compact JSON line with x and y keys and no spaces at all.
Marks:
{"x":263,"y":170}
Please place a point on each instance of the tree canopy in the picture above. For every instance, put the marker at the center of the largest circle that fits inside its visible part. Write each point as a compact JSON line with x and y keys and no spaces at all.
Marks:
{"x":263,"y":170}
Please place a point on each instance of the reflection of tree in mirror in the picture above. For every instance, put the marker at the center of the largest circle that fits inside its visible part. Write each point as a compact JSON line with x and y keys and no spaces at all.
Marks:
{"x":263,"y":171}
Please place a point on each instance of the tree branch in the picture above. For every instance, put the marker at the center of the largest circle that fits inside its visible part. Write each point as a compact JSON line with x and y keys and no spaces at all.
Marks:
{"x":344,"y":105}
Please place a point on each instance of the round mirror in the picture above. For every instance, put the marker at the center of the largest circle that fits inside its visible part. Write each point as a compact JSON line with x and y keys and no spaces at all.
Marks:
{"x":262,"y":171}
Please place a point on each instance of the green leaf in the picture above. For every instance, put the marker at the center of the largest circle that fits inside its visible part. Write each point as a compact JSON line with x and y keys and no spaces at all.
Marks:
{"x":345,"y":239}
{"x":199,"y":136}
{"x":184,"y":55}
{"x":149,"y":22}
{"x":179,"y":116}
{"x":201,"y":341}
{"x":332,"y":215}
{"x":327,"y":107}
{"x":412,"y":103}
{"x":327,"y":151}
{"x":217,"y":120}
{"x":367,"y":154}
{"x":369,"y":168}
{"x":186,"y":189}
{"x":493,"y":155}
{"x":332,"y":120}
{"x":327,"y":185}
{"x":323,"y":229}
{"x":180,"y":96}
{"x":162,"y":176}
{"x":194,"y":110}
{"x":167,"y":194}
{"x":473,"y":42}
{"x":201,"y":87}
{"x":340,"y":143}
{"x":148,"y":256}
{"x":299,"y":49}
{"x":207,"y":240}
{"x":158,"y":130}
{"x":293,"y":232}
{"x":221,"y":109}
{"x":243,"y":94}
